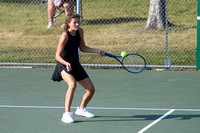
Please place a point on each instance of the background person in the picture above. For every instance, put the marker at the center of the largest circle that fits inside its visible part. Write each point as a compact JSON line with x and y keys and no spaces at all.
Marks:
{"x":53,"y":4}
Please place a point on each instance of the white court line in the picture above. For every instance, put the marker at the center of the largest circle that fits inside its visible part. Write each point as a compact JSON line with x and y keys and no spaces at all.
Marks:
{"x":156,"y":121}
{"x":38,"y":107}
{"x":100,"y":108}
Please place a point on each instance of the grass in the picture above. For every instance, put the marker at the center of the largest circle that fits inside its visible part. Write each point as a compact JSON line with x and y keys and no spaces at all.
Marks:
{"x":114,"y":25}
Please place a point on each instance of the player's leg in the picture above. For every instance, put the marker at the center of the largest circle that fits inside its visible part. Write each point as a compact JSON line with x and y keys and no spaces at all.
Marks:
{"x":89,"y":87}
{"x":69,"y":79}
{"x":51,"y":12}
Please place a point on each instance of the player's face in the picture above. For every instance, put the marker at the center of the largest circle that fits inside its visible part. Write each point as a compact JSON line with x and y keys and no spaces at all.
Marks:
{"x":74,"y":24}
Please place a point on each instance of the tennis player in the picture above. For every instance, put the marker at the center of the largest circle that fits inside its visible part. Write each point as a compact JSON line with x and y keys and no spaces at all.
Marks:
{"x":70,"y":70}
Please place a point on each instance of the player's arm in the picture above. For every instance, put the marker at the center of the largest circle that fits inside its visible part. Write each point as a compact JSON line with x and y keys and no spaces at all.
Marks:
{"x":85,"y":48}
{"x":61,"y":44}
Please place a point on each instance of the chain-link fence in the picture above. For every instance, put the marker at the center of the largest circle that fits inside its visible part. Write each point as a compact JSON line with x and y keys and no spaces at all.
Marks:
{"x":112,"y":25}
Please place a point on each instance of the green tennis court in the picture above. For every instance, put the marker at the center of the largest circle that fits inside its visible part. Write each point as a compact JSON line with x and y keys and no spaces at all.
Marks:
{"x":150,"y":102}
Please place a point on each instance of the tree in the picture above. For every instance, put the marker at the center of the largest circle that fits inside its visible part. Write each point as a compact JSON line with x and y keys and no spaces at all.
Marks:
{"x":156,"y":18}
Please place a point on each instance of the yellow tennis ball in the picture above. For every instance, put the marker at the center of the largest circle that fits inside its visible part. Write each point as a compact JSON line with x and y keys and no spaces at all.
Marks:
{"x":123,"y":54}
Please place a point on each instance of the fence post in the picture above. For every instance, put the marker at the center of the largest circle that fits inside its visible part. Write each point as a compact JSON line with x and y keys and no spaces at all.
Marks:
{"x":78,"y":7}
{"x":78,"y":12}
{"x":198,"y":37}
{"x":167,"y":61}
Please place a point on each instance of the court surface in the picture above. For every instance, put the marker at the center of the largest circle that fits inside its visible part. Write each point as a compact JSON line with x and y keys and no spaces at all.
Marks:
{"x":150,"y":102}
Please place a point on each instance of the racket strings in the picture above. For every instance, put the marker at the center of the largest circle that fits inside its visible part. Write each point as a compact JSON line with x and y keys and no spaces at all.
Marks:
{"x":134,"y":63}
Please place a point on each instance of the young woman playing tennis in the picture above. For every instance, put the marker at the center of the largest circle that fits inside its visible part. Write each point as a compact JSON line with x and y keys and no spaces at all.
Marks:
{"x":70,"y":70}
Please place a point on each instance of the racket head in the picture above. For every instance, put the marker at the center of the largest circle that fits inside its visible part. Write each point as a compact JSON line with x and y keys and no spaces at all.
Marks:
{"x":134,"y":63}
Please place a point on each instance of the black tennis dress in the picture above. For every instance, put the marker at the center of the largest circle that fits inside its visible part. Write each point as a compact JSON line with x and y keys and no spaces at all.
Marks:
{"x":70,"y":54}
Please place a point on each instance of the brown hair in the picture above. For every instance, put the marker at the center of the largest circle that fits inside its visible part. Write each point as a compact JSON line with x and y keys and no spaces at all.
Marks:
{"x":68,"y":19}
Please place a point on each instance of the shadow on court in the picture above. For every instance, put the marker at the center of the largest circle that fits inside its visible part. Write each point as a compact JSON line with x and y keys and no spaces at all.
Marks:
{"x":139,"y":118}
{"x":177,"y":117}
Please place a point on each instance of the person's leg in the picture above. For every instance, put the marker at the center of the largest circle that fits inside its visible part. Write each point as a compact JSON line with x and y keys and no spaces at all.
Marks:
{"x":51,"y":12}
{"x":69,"y":79}
{"x":69,"y":7}
{"x":89,"y":87}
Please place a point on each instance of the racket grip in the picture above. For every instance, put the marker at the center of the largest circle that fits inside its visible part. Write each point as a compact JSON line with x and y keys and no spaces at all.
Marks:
{"x":110,"y":55}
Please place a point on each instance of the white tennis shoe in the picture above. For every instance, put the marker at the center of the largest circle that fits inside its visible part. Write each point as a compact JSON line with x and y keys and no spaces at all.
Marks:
{"x":84,"y":112}
{"x":67,"y":117}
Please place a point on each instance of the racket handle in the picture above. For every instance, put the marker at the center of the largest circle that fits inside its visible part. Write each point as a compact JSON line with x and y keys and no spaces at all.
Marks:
{"x":110,"y":55}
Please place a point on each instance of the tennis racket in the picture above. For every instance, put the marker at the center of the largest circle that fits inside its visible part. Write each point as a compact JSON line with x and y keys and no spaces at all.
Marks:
{"x":133,"y":63}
